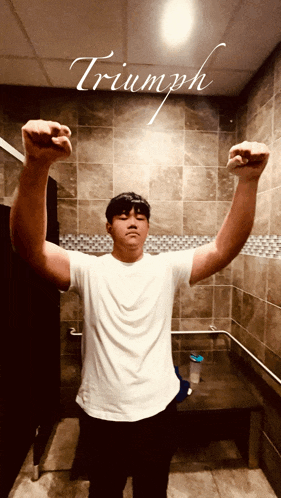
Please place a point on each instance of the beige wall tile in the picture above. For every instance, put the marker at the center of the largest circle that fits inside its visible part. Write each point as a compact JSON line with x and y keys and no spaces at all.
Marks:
{"x":225,"y":185}
{"x":148,"y":146}
{"x":226,"y":141}
{"x":165,"y":147}
{"x":272,"y":328}
{"x":201,"y":148}
{"x":166,"y":218}
{"x":175,"y":324}
{"x":262,"y":88}
{"x":130,"y":146}
{"x":255,"y":346}
{"x":260,"y":126}
{"x":224,"y":276}
{"x":166,"y":183}
{"x":255,"y":275}
{"x":199,"y":184}
{"x":195,"y":323}
{"x":67,"y":216}
{"x":95,"y":145}
{"x":262,"y":216}
{"x":253,"y":315}
{"x":136,"y":111}
{"x":92,"y":218}
{"x":95,"y":181}
{"x":131,"y":177}
{"x":276,"y":170}
{"x":197,"y":302}
{"x":199,"y":218}
{"x":277,"y":115}
{"x":274,"y":282}
{"x":238,"y":332}
{"x":241,"y":122}
{"x":95,"y":109}
{"x":65,"y":175}
{"x":275,"y":215}
{"x":265,"y":181}
{"x":277,"y":73}
{"x":201,"y":114}
{"x":237,"y":305}
{"x":273,"y":362}
{"x":238,"y":271}
{"x":222,"y":301}
{"x":61,"y":108}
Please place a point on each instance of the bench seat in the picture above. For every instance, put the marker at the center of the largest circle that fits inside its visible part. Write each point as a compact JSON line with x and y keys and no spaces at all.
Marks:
{"x":221,"y":406}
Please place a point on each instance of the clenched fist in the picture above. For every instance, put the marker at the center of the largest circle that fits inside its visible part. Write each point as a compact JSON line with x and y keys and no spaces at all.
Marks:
{"x":46,"y":141}
{"x":248,"y":160}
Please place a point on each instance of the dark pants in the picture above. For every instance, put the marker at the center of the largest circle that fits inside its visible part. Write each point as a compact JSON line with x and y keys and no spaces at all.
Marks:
{"x":142,"y":449}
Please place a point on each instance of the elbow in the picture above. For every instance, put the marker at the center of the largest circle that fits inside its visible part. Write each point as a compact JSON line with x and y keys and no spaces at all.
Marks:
{"x":226,"y":254}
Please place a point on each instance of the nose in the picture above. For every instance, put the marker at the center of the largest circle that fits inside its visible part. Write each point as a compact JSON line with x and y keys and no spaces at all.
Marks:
{"x":132,"y":222}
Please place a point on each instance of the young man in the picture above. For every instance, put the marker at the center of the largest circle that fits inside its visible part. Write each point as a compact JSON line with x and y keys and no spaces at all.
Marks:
{"x":128,"y":388}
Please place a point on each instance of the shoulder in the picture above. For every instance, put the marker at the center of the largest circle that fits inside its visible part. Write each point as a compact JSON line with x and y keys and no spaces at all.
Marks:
{"x":178,"y":258}
{"x":81,"y":259}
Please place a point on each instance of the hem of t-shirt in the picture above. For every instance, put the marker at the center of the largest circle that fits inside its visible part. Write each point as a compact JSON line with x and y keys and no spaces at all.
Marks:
{"x":123,"y":417}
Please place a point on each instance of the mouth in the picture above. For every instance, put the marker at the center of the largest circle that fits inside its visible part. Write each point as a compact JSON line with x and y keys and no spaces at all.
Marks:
{"x":132,"y":233}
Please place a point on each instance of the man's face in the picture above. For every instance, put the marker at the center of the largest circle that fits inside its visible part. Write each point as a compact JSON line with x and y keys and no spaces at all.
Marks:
{"x":129,"y":230}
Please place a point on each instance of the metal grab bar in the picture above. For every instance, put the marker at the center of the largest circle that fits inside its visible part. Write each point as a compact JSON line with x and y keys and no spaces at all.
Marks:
{"x":73,"y":331}
{"x":213,"y":330}
{"x":8,"y":148}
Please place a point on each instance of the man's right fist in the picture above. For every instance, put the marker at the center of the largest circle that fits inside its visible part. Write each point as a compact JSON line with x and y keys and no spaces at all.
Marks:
{"x":46,"y":141}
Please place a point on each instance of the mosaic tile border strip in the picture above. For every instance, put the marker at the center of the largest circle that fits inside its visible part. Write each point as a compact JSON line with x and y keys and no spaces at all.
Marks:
{"x":262,"y":245}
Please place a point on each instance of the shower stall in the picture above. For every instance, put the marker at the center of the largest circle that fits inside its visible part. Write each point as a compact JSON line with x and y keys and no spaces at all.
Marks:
{"x":30,"y":350}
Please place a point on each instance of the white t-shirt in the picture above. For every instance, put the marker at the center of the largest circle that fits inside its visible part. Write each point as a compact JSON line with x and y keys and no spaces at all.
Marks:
{"x":128,"y":372}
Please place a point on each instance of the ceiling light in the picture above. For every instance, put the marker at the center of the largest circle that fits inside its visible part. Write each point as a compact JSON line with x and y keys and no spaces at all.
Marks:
{"x":177,"y":21}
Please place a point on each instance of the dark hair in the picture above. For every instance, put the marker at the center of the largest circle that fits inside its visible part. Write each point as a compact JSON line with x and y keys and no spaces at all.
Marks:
{"x":123,"y":203}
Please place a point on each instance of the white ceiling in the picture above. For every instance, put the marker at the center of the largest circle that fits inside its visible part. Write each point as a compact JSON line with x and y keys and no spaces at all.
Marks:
{"x":39,"y":40}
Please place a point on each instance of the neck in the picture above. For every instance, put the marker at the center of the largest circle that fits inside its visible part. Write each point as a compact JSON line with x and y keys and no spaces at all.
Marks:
{"x":126,"y":255}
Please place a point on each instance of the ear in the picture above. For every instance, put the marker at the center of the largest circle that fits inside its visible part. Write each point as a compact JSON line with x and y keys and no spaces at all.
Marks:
{"x":108,"y":227}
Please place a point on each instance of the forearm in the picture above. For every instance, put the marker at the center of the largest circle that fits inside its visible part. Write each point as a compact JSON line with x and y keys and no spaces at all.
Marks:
{"x":28,"y":220}
{"x":239,"y":222}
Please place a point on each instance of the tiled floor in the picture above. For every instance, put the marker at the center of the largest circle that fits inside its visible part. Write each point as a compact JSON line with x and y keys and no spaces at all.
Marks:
{"x":216,"y":471}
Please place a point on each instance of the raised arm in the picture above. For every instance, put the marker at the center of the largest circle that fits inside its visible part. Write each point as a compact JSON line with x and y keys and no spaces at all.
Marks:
{"x":247,"y":161}
{"x":44,"y":142}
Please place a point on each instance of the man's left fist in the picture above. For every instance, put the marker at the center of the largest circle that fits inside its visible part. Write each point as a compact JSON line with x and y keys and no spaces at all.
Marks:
{"x":248,"y":160}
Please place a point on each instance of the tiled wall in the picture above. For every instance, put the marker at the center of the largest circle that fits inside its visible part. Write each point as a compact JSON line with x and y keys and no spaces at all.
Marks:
{"x":256,"y":304}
